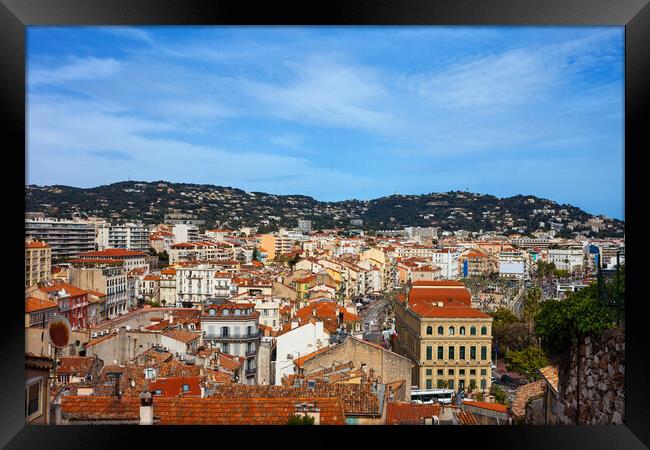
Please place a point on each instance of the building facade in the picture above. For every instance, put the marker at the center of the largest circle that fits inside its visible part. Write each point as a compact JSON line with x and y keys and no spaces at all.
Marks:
{"x":38,"y":262}
{"x":66,"y":238}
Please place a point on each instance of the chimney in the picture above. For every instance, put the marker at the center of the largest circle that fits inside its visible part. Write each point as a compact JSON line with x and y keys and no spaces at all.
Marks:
{"x":146,"y":408}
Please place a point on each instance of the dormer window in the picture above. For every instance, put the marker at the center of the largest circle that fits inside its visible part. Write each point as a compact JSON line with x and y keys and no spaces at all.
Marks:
{"x":237,"y":312}
{"x":212,"y":312}
{"x":150,"y":373}
{"x":226,"y":312}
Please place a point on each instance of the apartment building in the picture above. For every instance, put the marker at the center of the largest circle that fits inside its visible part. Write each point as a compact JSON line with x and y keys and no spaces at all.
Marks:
{"x":130,"y":236}
{"x":66,"y":238}
{"x":201,"y":251}
{"x":184,"y":232}
{"x":277,"y":244}
{"x":447,"y":260}
{"x":449,"y":341}
{"x":233,"y":328}
{"x":107,"y":277}
{"x":566,"y":258}
{"x":195,"y":284}
{"x":128,"y":258}
{"x":72,"y":302}
{"x":167,"y":287}
{"x":38,"y":262}
{"x":475,"y":263}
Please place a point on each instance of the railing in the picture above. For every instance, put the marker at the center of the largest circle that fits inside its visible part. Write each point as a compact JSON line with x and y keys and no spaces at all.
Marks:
{"x":251,"y":352}
{"x":225,"y":337}
{"x":251,"y":371}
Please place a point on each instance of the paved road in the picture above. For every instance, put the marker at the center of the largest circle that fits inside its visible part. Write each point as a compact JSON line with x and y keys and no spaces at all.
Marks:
{"x":372,"y":317}
{"x":518,"y":304}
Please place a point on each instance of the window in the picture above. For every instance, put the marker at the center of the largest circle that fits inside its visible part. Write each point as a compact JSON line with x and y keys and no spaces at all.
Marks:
{"x":483,"y":330}
{"x":440,"y":331}
{"x":452,"y":331}
{"x":429,"y":330}
{"x":33,"y":400}
{"x":224,"y":331}
{"x":440,"y":372}
{"x":472,"y":352}
{"x":158,"y":392}
{"x":483,"y":352}
{"x":224,"y":347}
{"x":212,"y":312}
{"x":483,"y":372}
{"x":472,"y":371}
{"x":429,"y":352}
{"x":428,"y":371}
{"x":265,"y":312}
{"x":186,"y":388}
{"x":462,"y":352}
{"x":451,"y":384}
{"x":440,"y":351}
{"x":461,"y":371}
{"x":237,"y":312}
{"x":451,"y":352}
{"x":428,"y":384}
{"x":226,"y":312}
{"x":472,"y":331}
{"x":483,"y":385}
{"x":441,"y":384}
{"x":461,"y":331}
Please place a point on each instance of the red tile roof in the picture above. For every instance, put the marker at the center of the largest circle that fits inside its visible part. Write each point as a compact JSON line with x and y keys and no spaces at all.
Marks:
{"x":33,"y":304}
{"x":466,"y":418}
{"x":405,"y":413}
{"x":71,"y":290}
{"x":487,"y":405}
{"x":181,"y":335}
{"x":172,"y":387}
{"x":523,"y":394}
{"x":242,"y":411}
{"x":36,"y":244}
{"x":89,"y":407}
{"x":112,"y":252}
{"x":450,"y":309}
{"x":79,"y":365}
{"x":550,"y":374}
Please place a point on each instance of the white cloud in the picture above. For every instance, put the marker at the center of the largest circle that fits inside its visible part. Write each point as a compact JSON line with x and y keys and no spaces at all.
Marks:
{"x":77,"y":69}
{"x":327,"y":93}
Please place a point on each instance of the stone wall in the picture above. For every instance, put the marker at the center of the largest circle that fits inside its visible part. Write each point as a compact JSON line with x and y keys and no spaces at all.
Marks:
{"x":601,"y":382}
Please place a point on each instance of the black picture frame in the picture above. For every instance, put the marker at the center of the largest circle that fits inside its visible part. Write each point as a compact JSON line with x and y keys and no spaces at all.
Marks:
{"x":15,"y":15}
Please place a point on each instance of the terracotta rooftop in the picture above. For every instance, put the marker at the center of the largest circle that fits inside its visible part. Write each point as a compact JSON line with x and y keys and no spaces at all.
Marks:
{"x":550,"y":374}
{"x":487,"y":405}
{"x":406,"y":413}
{"x":181,"y":335}
{"x":79,"y":365}
{"x":358,"y":399}
{"x":90,"y":407}
{"x":173,"y":387}
{"x":466,"y":418}
{"x":36,"y":244}
{"x":111,"y":253}
{"x":33,"y":304}
{"x":242,"y":411}
{"x":524,"y":393}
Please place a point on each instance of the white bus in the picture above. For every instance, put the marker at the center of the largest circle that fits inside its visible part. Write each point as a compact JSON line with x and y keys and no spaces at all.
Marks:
{"x":430,"y":396}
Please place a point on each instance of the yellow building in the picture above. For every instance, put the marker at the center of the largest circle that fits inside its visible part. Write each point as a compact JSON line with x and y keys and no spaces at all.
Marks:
{"x":38,"y":262}
{"x":449,"y":341}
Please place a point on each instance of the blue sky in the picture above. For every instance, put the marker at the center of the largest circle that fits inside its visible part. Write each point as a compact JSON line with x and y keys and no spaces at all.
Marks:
{"x":332,"y":112}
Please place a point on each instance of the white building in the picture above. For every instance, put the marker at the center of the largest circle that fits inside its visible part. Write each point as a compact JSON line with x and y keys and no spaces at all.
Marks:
{"x":304,"y":225}
{"x":297,"y":342}
{"x":447,"y":260}
{"x":66,"y":238}
{"x":130,"y":236}
{"x":566,"y":259}
{"x":184,"y":232}
{"x":234,"y":329}
{"x":512,"y":265}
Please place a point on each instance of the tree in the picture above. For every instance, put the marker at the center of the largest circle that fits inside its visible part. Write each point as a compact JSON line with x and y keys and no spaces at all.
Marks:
{"x":560,"y":321}
{"x":527,"y":362}
{"x":300,"y":420}
{"x":256,"y":254}
{"x":531,"y":305}
{"x":500,"y":396}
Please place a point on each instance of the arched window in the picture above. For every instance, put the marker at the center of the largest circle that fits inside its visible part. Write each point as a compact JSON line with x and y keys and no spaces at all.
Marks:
{"x":440,"y":331}
{"x":212,"y":312}
{"x":472,"y":331}
{"x":237,"y":312}
{"x":452,"y":331}
{"x":461,"y":331}
{"x":226,"y":312}
{"x":429,"y":330}
{"x":483,"y":330}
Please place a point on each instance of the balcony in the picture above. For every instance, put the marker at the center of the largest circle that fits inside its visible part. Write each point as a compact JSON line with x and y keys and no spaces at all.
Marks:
{"x":251,"y":352}
{"x":232,"y":337}
{"x":251,"y":371}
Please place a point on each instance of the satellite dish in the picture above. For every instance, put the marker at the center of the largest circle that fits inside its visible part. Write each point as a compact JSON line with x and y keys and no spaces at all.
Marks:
{"x":59,"y":331}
